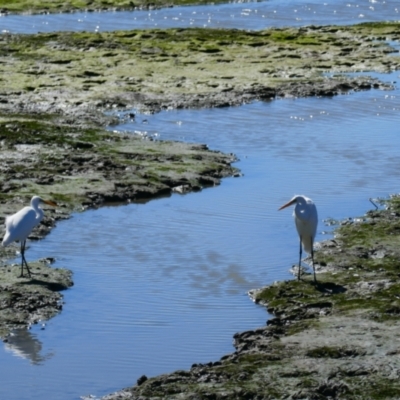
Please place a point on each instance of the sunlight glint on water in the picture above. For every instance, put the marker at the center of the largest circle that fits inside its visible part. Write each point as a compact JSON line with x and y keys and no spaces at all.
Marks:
{"x":251,"y":15}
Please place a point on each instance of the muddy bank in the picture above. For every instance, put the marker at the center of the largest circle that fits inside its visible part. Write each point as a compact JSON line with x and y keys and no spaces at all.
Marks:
{"x":85,"y":73}
{"x":61,"y":6}
{"x":25,"y":301}
{"x":84,"y":165}
{"x":338,"y":338}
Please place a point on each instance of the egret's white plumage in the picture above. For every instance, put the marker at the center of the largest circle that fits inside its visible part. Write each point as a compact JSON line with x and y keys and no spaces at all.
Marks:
{"x":21,"y":224}
{"x":306,"y":220}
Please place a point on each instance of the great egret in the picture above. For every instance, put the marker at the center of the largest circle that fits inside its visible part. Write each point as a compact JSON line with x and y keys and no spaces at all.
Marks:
{"x":306,"y":220}
{"x":21,"y":224}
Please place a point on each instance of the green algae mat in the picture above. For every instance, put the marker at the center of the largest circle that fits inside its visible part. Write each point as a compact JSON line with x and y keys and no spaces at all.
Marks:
{"x":174,"y":68}
{"x":56,"y":6}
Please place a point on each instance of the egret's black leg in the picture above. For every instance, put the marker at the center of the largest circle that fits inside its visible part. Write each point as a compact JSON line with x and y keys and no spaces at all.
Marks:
{"x":23,"y":260}
{"x":312,"y":257}
{"x":300,"y":253}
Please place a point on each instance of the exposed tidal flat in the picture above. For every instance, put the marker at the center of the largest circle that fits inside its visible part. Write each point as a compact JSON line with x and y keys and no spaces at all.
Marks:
{"x":56,"y":88}
{"x":81,"y":72}
{"x":60,"y":6}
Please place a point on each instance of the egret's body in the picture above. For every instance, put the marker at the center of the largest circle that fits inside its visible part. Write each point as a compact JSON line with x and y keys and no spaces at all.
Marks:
{"x":306,"y":220}
{"x":20,"y":225}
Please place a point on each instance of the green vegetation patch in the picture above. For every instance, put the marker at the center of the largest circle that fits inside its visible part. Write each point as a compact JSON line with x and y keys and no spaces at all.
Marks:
{"x":334,"y":352}
{"x":87,"y":165}
{"x":55,"y":6}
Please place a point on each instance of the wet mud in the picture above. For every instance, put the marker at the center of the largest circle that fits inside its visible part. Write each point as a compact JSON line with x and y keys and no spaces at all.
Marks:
{"x":81,"y":74}
{"x":27,"y":301}
{"x":61,"y":6}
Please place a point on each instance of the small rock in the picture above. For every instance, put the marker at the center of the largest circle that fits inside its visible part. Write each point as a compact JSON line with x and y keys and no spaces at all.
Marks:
{"x":141,"y":380}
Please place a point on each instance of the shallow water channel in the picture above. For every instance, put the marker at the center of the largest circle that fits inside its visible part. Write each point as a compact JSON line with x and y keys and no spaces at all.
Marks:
{"x":162,"y":285}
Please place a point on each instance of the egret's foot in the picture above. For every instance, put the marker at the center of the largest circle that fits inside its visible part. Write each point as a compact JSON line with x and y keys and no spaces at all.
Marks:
{"x":26,"y":276}
{"x":295,"y":271}
{"x":29,"y":274}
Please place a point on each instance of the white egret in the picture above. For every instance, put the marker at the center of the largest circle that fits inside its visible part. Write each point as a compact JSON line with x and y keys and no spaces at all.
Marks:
{"x":306,"y":220}
{"x":21,"y":224}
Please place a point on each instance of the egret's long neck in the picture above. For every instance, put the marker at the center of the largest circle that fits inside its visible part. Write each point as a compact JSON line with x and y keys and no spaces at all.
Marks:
{"x":300,"y":210}
{"x":39,"y":212}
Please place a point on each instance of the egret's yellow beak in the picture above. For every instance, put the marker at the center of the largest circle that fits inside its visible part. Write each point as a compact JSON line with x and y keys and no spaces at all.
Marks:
{"x":50,"y":203}
{"x":287,"y":204}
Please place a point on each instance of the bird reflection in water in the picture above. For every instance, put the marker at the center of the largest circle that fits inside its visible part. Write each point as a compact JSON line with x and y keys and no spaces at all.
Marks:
{"x":22,"y":343}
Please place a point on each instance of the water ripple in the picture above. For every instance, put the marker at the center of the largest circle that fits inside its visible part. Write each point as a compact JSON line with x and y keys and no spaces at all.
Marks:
{"x":251,"y":16}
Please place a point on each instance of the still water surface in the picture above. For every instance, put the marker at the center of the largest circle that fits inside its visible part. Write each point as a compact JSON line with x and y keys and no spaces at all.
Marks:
{"x":162,"y":285}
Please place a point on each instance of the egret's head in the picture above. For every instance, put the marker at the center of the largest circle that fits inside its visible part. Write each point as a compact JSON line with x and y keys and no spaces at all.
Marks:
{"x":299,"y":199}
{"x":289,"y":203}
{"x":36,"y":200}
